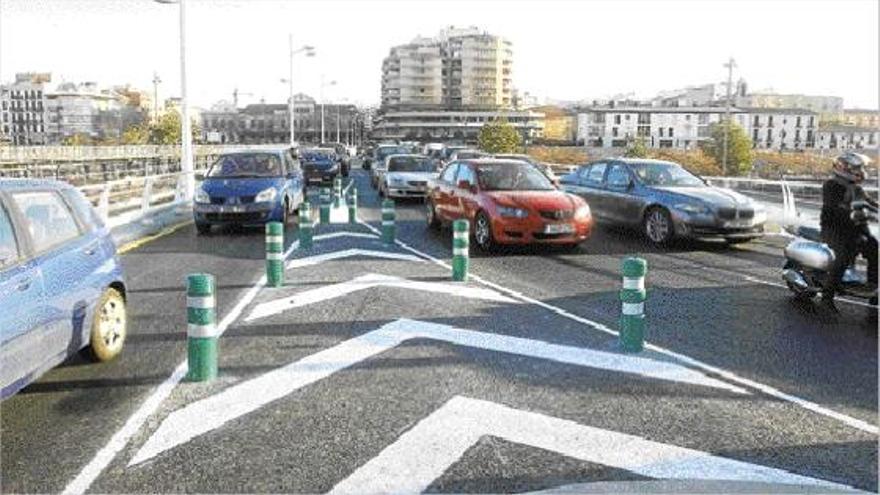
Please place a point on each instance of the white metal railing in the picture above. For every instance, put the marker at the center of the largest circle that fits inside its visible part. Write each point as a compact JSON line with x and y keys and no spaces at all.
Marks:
{"x":30,"y":154}
{"x":797,"y":188}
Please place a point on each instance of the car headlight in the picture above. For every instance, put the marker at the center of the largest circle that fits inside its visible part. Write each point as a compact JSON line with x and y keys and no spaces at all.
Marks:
{"x":266,"y":195}
{"x":511,"y":212}
{"x":333,"y":168}
{"x":582,"y":212}
{"x":202,"y":197}
{"x":693,"y":208}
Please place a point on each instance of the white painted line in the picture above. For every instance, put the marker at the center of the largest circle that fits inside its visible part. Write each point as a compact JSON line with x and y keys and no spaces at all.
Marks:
{"x":205,"y":302}
{"x":348,"y":253}
{"x":637,"y":283}
{"x":91,"y":471}
{"x":368,"y":281}
{"x":335,"y":235}
{"x":424,"y":453}
{"x":767,"y":389}
{"x":201,"y":331}
{"x":212,"y":412}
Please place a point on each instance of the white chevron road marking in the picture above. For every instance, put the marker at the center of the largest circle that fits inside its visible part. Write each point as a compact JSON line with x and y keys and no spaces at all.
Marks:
{"x":210,"y":413}
{"x":368,"y":281}
{"x":350,"y":253}
{"x":425,"y":452}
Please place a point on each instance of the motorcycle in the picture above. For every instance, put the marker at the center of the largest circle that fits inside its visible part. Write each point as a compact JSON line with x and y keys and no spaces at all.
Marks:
{"x":808,"y":259}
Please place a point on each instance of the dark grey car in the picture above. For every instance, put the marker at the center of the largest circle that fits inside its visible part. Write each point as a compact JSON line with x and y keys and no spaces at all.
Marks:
{"x":664,"y":200}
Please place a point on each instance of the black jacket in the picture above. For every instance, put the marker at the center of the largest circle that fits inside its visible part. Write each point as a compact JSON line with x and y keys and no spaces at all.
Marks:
{"x":835,"y":220}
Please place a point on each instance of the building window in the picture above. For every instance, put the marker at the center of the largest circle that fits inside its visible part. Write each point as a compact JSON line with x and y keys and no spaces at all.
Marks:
{"x":756,"y":122}
{"x":614,"y":129}
{"x":703,"y":118}
{"x":661,"y":132}
{"x":617,"y":120}
{"x":670,"y":132}
{"x":687,"y":118}
{"x":798,"y":121}
{"x":770,"y":121}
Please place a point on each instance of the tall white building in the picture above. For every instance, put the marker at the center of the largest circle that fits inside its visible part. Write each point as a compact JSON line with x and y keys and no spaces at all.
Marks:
{"x":23,"y":109}
{"x":457,"y":69}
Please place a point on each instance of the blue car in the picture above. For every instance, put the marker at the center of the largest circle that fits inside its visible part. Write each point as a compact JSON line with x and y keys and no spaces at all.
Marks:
{"x":249,"y":188}
{"x":320,"y":165}
{"x":61,"y":284}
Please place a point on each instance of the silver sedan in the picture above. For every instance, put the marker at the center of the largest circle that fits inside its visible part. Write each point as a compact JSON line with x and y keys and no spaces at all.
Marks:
{"x":665,"y":201}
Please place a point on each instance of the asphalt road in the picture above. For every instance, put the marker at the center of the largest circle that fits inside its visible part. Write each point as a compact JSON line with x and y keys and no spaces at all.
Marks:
{"x":372,"y":372}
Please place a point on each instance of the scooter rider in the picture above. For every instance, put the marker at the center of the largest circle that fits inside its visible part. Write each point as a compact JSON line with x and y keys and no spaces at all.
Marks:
{"x":844,"y":233}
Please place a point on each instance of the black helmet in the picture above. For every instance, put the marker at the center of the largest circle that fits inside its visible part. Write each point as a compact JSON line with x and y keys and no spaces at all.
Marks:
{"x":851,"y":166}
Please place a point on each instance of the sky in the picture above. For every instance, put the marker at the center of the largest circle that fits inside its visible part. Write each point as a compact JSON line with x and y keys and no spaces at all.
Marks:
{"x":564,"y":50}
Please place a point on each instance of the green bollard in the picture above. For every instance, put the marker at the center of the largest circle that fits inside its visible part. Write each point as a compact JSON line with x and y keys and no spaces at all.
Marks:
{"x":201,"y":331}
{"x":324,"y":207}
{"x":460,"y":245}
{"x":388,"y":221}
{"x":337,"y":192}
{"x":305,"y":225}
{"x":275,"y":254}
{"x":632,"y":297}
{"x":353,"y":205}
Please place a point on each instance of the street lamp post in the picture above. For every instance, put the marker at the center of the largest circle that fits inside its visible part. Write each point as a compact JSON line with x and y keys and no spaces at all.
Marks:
{"x":291,"y":107}
{"x":323,"y":85}
{"x":186,"y":152}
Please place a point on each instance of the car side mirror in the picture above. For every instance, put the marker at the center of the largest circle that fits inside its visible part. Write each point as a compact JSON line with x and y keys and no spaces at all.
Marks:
{"x":200,"y":175}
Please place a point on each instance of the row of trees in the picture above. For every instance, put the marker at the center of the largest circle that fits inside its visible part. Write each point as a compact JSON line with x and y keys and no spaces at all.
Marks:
{"x":166,"y":130}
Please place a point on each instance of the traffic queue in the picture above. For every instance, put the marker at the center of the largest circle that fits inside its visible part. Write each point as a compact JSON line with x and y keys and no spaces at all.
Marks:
{"x":515,"y":199}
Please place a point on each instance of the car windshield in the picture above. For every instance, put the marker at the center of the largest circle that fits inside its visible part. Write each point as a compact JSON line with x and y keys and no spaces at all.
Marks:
{"x":664,"y":174}
{"x":316,"y":155}
{"x":467,"y":155}
{"x":522,"y":158}
{"x":383,"y":153}
{"x":410,"y":164}
{"x":512,"y":176}
{"x":246,"y":165}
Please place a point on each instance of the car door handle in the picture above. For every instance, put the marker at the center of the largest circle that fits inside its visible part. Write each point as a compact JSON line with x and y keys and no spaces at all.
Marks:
{"x":91,"y":250}
{"x":24,"y":285}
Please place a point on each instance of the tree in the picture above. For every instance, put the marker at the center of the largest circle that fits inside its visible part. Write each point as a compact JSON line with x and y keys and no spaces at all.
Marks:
{"x":739,"y":148}
{"x":167,"y":129}
{"x":636,"y":149}
{"x":79,"y":139}
{"x":499,"y":136}
{"x":136,"y":134}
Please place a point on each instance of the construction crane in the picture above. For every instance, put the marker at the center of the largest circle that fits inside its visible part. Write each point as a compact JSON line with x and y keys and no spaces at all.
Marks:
{"x":235,"y":94}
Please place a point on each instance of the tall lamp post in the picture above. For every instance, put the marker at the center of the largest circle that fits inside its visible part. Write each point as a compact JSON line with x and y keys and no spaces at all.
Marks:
{"x":309,"y":52}
{"x":324,"y":85}
{"x":338,"y":118}
{"x":186,"y":151}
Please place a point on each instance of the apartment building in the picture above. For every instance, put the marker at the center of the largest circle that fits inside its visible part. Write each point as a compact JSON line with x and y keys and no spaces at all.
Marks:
{"x":848,"y":137}
{"x":458,"y":126}
{"x":457,"y":69}
{"x":687,"y":127}
{"x":86,"y":111}
{"x":23,"y":109}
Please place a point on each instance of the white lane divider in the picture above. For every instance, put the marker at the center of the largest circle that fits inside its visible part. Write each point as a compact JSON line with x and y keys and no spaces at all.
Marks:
{"x":90,"y":472}
{"x":369,"y":281}
{"x":210,"y":413}
{"x":424,"y":453}
{"x":349,"y":253}
{"x":766,"y":389}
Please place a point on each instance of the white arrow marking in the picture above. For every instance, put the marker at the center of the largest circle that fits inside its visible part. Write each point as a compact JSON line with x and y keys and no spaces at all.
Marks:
{"x":212,"y":412}
{"x":348,"y":253}
{"x":334,"y":235}
{"x":366,"y":282}
{"x":425,"y":452}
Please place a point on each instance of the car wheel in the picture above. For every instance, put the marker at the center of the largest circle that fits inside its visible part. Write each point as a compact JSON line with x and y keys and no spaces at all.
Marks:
{"x":658,"y":226}
{"x":431,"y":215}
{"x":203,"y":228}
{"x":381,"y":192}
{"x":109,"y":326}
{"x":483,"y":232}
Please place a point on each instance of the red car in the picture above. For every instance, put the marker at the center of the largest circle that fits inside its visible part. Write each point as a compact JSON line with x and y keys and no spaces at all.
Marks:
{"x":507,"y":202}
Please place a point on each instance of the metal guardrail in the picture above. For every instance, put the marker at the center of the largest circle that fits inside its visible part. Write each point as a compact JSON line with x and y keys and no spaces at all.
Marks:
{"x":803,"y":189}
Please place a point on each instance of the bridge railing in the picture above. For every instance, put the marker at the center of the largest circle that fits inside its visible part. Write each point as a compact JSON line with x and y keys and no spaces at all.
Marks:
{"x":811,"y":190}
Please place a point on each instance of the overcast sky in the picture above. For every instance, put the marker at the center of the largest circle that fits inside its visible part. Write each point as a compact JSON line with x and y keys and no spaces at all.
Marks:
{"x":562,"y":49}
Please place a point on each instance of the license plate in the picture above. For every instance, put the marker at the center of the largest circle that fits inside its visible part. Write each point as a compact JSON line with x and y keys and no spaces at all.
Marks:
{"x":558,"y":228}
{"x":231,"y":209}
{"x":739,"y":224}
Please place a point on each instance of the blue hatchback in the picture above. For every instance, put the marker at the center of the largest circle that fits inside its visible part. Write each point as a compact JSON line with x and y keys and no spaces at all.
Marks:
{"x":61,"y":283}
{"x":248,"y":188}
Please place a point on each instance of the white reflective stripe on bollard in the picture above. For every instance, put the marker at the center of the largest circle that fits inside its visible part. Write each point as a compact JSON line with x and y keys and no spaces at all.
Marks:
{"x":201,"y":331}
{"x":387,"y":222}
{"x":463,"y":251}
{"x":200,"y":302}
{"x":634,"y":283}
{"x":633,"y":308}
{"x":460,"y":235}
{"x":275,"y":256}
{"x":274,"y":238}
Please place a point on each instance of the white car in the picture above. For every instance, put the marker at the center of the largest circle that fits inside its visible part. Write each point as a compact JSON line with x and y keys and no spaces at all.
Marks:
{"x":380,"y":161}
{"x":407,"y":176}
